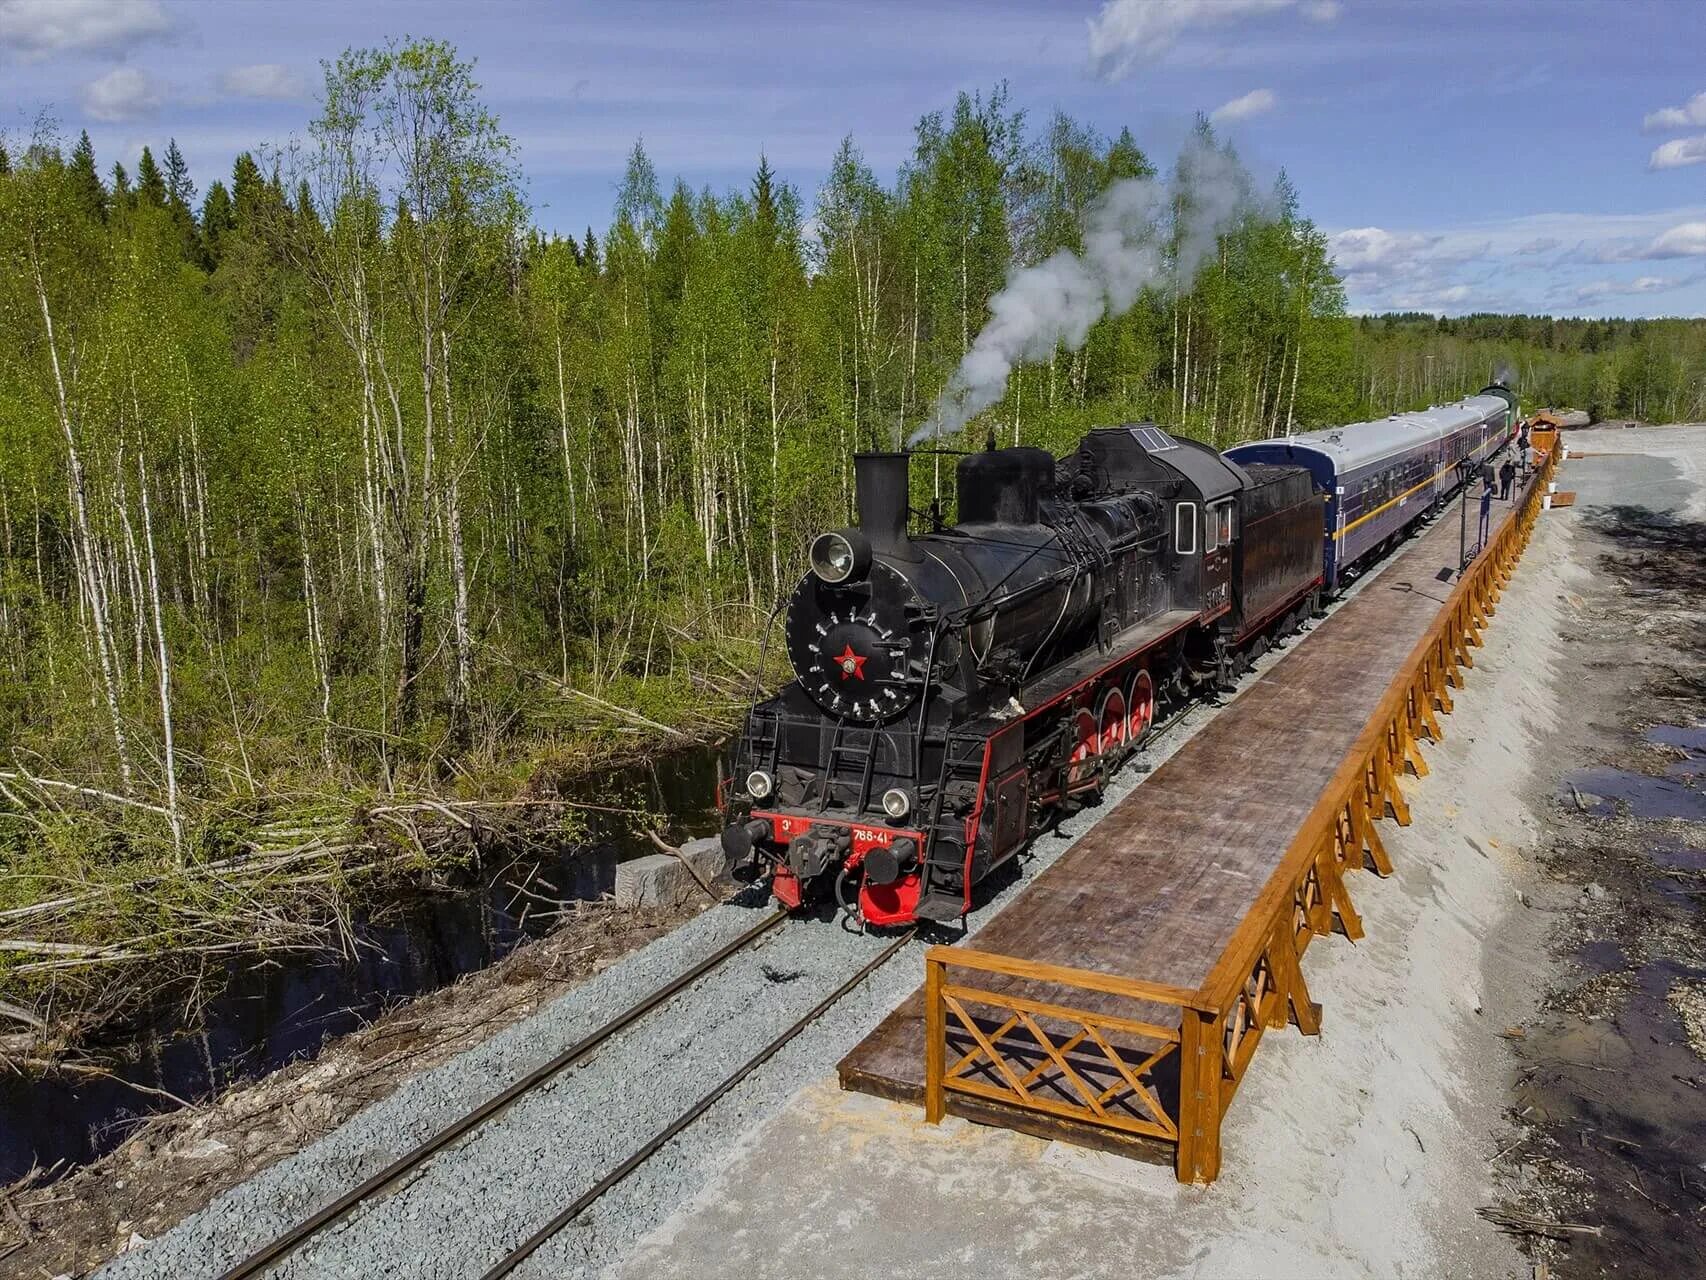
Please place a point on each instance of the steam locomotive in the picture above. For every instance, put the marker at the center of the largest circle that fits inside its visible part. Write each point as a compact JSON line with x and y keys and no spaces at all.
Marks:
{"x":958,"y":690}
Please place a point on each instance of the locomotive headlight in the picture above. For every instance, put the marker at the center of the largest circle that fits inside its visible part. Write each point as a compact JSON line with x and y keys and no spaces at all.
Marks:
{"x":759,"y":784}
{"x":842,"y":555}
{"x":897,"y":802}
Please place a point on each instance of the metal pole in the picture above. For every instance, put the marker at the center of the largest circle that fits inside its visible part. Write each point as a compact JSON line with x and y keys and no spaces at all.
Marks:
{"x":1462,"y":518}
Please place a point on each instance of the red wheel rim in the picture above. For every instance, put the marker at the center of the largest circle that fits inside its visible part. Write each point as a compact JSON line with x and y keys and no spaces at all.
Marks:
{"x":1083,"y":747}
{"x":1111,"y":716}
{"x":1141,"y":705}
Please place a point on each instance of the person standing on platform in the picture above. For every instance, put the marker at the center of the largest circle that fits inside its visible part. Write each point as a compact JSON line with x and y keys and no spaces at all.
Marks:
{"x":1486,"y":508}
{"x":1507,"y":477}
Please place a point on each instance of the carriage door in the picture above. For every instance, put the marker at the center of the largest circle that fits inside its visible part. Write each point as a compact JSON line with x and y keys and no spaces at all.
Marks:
{"x":1218,"y":522}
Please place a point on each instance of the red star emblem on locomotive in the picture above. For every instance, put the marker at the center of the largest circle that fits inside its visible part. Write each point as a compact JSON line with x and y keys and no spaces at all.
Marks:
{"x":851,"y":664}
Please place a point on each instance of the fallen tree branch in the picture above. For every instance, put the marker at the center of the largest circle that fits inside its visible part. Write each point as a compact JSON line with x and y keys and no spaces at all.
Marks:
{"x":93,"y":793}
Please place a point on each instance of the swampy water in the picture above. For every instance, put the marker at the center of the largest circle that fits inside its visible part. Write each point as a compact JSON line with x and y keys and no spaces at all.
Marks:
{"x":275,"y":1010}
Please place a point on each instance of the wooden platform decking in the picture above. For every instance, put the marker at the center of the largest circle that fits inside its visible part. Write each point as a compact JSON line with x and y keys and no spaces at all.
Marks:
{"x":1167,"y":894}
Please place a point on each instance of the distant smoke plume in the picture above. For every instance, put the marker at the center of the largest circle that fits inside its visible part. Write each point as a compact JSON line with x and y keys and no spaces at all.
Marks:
{"x":1056,"y":302}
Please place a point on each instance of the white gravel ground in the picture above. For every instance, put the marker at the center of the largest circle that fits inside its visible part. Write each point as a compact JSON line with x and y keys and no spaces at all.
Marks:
{"x":478,"y":1199}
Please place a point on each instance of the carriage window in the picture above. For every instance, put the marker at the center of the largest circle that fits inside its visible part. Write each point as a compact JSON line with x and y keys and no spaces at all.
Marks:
{"x":1185,"y":529}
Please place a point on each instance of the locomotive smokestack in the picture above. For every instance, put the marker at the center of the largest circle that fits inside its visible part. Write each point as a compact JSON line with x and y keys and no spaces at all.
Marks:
{"x":881,"y":484}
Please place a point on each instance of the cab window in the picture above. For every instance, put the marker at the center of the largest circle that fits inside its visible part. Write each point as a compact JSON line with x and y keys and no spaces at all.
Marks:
{"x":1185,"y":529}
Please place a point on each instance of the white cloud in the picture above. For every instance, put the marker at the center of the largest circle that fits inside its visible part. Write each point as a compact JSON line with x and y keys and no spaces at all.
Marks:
{"x":1689,"y":115}
{"x":1254,"y":103}
{"x":1540,"y":244}
{"x":1597,"y":290}
{"x":36,"y":28}
{"x":1128,"y":32}
{"x":1322,"y":10}
{"x":1374,"y":251}
{"x":124,"y":93}
{"x":1687,"y":240}
{"x":1679,"y":152}
{"x":1441,"y":299}
{"x":271,"y":81}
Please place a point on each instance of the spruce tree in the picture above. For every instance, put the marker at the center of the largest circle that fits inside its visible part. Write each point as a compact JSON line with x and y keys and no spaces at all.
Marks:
{"x":150,"y":186}
{"x":218,"y":220}
{"x":305,"y":210}
{"x":764,"y":202}
{"x":85,"y":182}
{"x":246,"y":188}
{"x":5,"y":162}
{"x":589,"y":252}
{"x":122,"y":196}
{"x":180,"y":191}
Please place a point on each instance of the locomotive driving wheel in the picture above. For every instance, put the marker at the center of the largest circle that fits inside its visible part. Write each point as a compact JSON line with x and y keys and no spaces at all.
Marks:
{"x":1111,"y":726}
{"x":1086,"y":743}
{"x":1140,"y":706}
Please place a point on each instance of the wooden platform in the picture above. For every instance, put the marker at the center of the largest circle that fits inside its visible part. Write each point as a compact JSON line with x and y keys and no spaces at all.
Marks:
{"x":1164,"y":892}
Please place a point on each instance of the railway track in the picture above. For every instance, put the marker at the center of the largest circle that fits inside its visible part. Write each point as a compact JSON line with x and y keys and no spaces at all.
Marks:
{"x":419,"y":1157}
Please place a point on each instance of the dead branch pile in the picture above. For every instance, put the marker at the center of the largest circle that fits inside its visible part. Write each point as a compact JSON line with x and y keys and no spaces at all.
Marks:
{"x":89,"y":936}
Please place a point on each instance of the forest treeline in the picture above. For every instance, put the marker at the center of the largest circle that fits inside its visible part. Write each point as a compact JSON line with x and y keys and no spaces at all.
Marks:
{"x":341,"y":479}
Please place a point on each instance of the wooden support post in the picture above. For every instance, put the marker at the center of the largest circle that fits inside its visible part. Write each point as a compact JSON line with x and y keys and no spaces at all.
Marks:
{"x":1333,"y":889}
{"x":1288,"y":973}
{"x":935,"y":1041}
{"x":1376,"y":850}
{"x":1320,"y":913}
{"x":1390,"y":790}
{"x":1201,"y":1053}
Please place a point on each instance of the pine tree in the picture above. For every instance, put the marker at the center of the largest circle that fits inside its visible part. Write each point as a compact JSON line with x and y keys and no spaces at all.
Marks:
{"x":150,"y":186}
{"x":589,"y":252}
{"x":5,"y":162}
{"x":85,"y":181}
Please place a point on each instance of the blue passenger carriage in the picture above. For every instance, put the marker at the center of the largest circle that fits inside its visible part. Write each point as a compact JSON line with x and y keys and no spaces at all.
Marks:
{"x":1379,"y":478}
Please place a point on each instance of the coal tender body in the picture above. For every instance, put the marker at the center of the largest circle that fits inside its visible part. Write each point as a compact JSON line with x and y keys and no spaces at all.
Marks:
{"x":956,"y":691}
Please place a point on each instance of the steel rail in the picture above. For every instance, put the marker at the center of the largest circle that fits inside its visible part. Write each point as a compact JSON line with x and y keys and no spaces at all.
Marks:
{"x":413,"y":1158}
{"x":513,"y":1259}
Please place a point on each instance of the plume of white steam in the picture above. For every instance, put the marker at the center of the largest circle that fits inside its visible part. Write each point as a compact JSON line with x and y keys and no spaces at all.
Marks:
{"x":1059,"y":300}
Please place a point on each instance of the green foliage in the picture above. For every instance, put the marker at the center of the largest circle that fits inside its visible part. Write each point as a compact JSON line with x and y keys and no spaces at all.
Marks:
{"x":420,"y":482}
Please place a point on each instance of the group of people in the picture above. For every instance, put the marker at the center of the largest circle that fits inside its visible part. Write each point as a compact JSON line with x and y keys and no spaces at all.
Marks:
{"x":1504,"y":480}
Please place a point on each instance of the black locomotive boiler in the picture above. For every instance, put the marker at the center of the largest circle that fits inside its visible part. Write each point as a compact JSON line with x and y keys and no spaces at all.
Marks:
{"x":955,"y":691}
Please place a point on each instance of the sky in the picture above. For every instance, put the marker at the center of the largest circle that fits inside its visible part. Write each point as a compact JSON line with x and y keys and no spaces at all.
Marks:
{"x":1463,"y":155}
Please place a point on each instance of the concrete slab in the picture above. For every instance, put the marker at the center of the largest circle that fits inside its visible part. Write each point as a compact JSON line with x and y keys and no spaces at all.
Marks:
{"x":664,"y":880}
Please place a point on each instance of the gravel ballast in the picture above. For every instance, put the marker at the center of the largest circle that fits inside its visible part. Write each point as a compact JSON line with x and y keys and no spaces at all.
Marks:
{"x":478,"y":1199}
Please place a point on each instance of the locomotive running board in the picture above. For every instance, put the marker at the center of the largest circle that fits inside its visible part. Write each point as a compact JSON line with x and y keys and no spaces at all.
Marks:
{"x":1066,"y":679}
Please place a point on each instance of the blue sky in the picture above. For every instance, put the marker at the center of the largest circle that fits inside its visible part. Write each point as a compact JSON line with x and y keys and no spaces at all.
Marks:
{"x":1542,"y":155}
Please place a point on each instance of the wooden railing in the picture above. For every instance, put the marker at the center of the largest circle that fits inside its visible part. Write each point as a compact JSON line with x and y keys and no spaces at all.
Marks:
{"x":1167,"y":1063}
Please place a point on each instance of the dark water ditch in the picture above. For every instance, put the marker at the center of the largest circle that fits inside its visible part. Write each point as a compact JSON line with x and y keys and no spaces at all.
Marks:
{"x":274,"y":1010}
